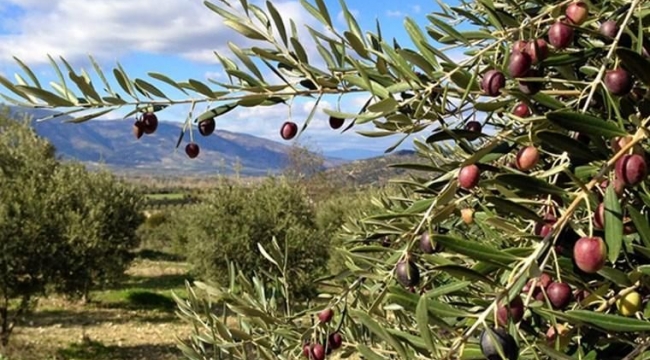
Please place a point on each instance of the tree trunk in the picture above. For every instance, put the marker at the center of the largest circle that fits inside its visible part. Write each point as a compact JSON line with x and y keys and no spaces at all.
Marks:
{"x":4,"y":332}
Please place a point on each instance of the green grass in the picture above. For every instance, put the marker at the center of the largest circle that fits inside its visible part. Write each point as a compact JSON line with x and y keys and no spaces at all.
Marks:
{"x":134,"y":319}
{"x":138,"y":299}
{"x":143,"y":291}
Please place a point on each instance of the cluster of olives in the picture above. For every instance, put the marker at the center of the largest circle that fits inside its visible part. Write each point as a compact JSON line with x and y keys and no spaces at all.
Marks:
{"x":525,"y":55}
{"x":319,"y":350}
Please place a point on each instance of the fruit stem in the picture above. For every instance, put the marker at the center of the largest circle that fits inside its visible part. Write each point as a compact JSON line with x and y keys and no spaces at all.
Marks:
{"x":601,"y":72}
{"x":611,"y":301}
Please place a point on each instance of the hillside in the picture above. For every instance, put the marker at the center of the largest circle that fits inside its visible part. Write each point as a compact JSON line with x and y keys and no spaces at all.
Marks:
{"x":376,"y":170}
{"x":112,"y":144}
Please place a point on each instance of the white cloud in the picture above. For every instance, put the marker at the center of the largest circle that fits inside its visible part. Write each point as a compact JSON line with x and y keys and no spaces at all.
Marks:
{"x":111,"y":29}
{"x":213,"y":75}
{"x":394,"y":13}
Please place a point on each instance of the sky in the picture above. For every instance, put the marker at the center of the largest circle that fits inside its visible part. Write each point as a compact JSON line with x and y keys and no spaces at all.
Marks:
{"x":178,"y":38}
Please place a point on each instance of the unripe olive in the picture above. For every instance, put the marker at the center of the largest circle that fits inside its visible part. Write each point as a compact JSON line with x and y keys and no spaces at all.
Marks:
{"x":629,"y":304}
{"x":618,"y":143}
{"x":467,"y":215}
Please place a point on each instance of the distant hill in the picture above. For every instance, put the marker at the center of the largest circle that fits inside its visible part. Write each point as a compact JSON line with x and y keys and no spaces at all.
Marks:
{"x":376,"y":170}
{"x":111,"y":143}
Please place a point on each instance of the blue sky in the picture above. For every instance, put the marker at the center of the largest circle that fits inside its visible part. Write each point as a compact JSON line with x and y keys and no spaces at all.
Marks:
{"x":177,"y":38}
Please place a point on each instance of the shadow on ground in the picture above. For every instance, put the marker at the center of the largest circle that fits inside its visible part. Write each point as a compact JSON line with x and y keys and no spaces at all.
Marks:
{"x":92,"y":317}
{"x":141,"y":300}
{"x":95,"y":350}
{"x":160,"y":282}
{"x":155,"y":255}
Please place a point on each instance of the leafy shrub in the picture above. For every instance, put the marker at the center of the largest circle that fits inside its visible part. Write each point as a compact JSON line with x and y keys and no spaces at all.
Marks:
{"x":232,"y":220}
{"x":62,"y":228}
{"x":100,"y":219}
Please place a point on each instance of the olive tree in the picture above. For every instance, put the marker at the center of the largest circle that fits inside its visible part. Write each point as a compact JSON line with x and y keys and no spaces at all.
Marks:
{"x":100,"y":219}
{"x":525,"y":236}
{"x":28,"y":221}
{"x":63,"y":228}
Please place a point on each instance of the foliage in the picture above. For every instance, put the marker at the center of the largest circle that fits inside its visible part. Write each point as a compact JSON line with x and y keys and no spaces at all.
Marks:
{"x":569,"y":106}
{"x":28,"y":220}
{"x":233,"y":219}
{"x":62,"y":227}
{"x":100,"y":217}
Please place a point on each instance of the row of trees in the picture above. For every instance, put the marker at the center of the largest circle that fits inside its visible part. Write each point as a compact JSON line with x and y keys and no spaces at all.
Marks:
{"x":230,"y":221}
{"x":63,"y":229}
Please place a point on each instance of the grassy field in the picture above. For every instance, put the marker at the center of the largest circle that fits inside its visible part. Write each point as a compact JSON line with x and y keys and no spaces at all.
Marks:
{"x":134,"y":321}
{"x":170,"y":196}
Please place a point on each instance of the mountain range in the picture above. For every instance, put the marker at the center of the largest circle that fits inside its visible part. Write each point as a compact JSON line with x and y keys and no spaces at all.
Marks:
{"x":111,"y":143}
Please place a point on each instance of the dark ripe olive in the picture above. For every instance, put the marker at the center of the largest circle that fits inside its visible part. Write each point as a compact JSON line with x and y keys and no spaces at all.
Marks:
{"x":559,"y":294}
{"x":531,"y":87}
{"x":469,"y":176}
{"x":335,"y":122}
{"x":519,"y":64}
{"x":609,"y":29}
{"x":631,"y":169}
{"x":407,"y":273}
{"x":538,"y":50}
{"x":206,"y":127}
{"x":577,"y":12}
{"x":493,"y":82}
{"x":521,"y":110}
{"x":502,"y":340}
{"x":149,"y":123}
{"x":192,"y":150}
{"x":560,"y":35}
{"x":138,"y":129}
{"x":618,"y":82}
{"x":514,"y":311}
{"x":288,"y":130}
{"x":475,"y":127}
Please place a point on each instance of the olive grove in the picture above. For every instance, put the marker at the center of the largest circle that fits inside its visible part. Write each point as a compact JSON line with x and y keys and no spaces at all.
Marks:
{"x":526,"y":236}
